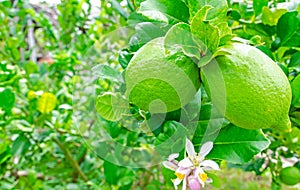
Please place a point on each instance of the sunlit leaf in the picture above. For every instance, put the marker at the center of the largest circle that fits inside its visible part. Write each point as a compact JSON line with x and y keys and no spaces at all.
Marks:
{"x":296,"y":91}
{"x":258,"y":6}
{"x":205,"y":33}
{"x":20,"y":145}
{"x":288,"y":29}
{"x":179,"y":39}
{"x":112,"y":106}
{"x":295,"y":60}
{"x":106,"y":72}
{"x":216,"y":15}
{"x":46,"y":103}
{"x":7,"y":99}
{"x":164,"y":10}
{"x":235,"y":144}
{"x":271,"y":17}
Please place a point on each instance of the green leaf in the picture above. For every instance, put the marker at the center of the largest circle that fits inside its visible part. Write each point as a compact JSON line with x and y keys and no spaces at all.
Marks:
{"x":267,"y":51}
{"x":20,"y":145}
{"x":209,"y":57}
{"x":295,"y":60}
{"x":168,"y":176}
{"x":7,"y":99}
{"x":112,"y":106}
{"x":216,"y":180}
{"x":179,"y":39}
{"x":271,"y":17}
{"x":238,"y":145}
{"x":258,"y":6}
{"x":172,"y":139}
{"x":296,"y":91}
{"x":206,"y":34}
{"x":288,"y":29}
{"x":193,"y":108}
{"x":137,"y":2}
{"x":5,"y":155}
{"x":116,"y":5}
{"x":5,"y":151}
{"x":224,"y":29}
{"x":46,"y":103}
{"x":111,"y":173}
{"x":255,"y":165}
{"x":31,"y":67}
{"x":216,"y":15}
{"x":146,"y":31}
{"x":164,"y":10}
{"x":106,"y":72}
{"x":234,"y":15}
{"x":124,"y":58}
{"x":205,"y":60}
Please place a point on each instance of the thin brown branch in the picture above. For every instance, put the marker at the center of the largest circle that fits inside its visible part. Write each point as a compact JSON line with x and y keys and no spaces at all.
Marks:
{"x":71,"y":159}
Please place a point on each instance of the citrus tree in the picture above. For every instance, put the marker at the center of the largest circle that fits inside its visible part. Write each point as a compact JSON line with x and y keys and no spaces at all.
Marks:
{"x":245,"y":57}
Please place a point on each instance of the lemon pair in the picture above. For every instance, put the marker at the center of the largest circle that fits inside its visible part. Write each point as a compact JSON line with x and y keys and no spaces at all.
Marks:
{"x":244,"y":84}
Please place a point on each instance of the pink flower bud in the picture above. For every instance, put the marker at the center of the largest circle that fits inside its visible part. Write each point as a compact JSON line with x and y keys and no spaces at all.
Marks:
{"x":193,"y":183}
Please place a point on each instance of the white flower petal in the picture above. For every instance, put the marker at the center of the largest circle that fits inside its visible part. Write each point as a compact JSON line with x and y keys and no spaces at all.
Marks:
{"x":185,"y":163}
{"x":184,"y":171}
{"x":175,"y":162}
{"x":176,"y":182}
{"x":173,"y":156}
{"x":198,"y":171}
{"x":170,"y":165}
{"x":209,"y":165}
{"x":206,"y":148}
{"x":200,"y":181}
{"x":209,"y":180}
{"x":184,"y":184}
{"x":190,"y":148}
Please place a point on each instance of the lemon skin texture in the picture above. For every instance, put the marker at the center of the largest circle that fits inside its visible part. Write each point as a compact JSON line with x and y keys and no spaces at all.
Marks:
{"x":159,"y":83}
{"x":290,"y":175}
{"x":249,"y":88}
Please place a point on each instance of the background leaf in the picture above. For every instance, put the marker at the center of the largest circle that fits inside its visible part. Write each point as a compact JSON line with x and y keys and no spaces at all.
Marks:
{"x":7,"y":99}
{"x":296,"y":91}
{"x":46,"y":103}
{"x":179,"y":39}
{"x":20,"y":146}
{"x":116,"y":5}
{"x":237,"y":145}
{"x":288,"y":29}
{"x":106,"y":72}
{"x":295,"y":60}
{"x":174,"y":10}
{"x":171,"y":139}
{"x":258,"y":6}
{"x":205,"y":33}
{"x":111,"y":172}
{"x":271,"y":17}
{"x":216,"y":15}
{"x":112,"y":106}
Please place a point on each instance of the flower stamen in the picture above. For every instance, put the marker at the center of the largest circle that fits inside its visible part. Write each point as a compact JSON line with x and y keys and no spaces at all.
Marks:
{"x":203,"y":177}
{"x":180,"y":175}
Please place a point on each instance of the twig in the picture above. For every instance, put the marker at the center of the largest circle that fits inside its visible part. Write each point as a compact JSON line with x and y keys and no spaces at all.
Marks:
{"x":80,"y":160}
{"x":70,"y":158}
{"x":31,"y":41}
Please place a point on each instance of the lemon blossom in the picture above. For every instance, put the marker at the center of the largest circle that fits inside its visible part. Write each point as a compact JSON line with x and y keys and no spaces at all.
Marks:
{"x":191,"y":170}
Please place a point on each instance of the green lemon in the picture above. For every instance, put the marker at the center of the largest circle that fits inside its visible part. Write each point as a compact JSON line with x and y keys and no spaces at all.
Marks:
{"x":249,"y":88}
{"x":290,"y":175}
{"x":159,"y":83}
